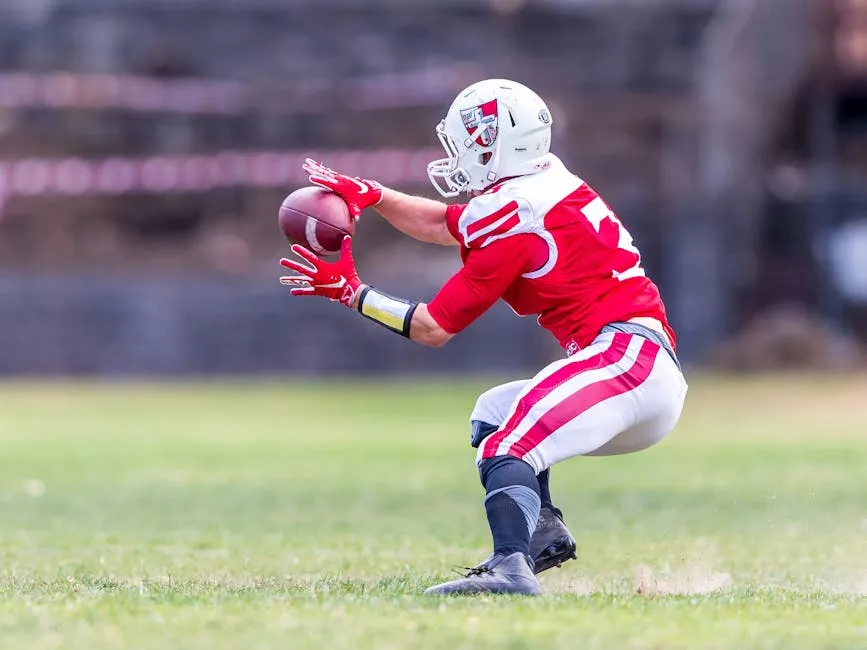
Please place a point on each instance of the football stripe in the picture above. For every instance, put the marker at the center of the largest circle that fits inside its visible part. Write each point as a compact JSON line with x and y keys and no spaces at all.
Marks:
{"x":312,"y":239}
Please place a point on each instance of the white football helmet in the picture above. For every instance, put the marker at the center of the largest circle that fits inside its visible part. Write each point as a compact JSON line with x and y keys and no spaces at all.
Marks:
{"x":494,"y":129}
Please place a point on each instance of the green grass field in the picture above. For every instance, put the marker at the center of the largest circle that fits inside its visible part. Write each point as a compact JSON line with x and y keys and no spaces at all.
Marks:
{"x":294,"y":516}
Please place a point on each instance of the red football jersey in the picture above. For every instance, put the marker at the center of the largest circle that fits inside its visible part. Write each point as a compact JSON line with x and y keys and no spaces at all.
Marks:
{"x":548,"y":245}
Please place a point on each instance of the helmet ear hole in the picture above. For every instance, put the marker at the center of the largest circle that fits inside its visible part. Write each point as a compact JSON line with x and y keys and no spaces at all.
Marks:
{"x":485,"y":158}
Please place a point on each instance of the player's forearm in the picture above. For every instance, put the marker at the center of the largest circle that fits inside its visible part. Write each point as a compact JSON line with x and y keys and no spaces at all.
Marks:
{"x":409,"y":319}
{"x":420,"y":218}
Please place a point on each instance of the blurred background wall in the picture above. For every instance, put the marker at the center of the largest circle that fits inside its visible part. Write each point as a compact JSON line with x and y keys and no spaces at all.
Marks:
{"x":145,"y":146}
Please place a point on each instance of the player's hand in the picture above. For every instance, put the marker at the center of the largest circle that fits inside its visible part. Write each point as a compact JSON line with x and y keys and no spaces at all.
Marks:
{"x":357,"y":192}
{"x":338,"y":281}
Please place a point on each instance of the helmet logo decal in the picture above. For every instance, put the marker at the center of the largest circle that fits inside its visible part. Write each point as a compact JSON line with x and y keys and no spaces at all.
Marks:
{"x":544,"y":116}
{"x":484,"y":116}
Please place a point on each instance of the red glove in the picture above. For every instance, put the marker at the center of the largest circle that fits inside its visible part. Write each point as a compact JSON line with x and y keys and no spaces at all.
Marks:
{"x":357,"y":192}
{"x":337,"y":281}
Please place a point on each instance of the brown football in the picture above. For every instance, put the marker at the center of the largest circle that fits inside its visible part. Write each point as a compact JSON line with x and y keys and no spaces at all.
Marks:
{"x":317,"y":219}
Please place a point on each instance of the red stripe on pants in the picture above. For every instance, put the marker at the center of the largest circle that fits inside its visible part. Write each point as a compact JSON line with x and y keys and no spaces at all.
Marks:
{"x":586,"y":398}
{"x":619,"y":344}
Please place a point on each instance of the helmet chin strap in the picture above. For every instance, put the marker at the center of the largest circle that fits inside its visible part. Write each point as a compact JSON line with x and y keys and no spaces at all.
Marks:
{"x":494,"y":165}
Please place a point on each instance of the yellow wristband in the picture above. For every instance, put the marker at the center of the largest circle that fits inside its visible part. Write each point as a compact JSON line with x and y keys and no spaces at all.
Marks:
{"x":390,"y":312}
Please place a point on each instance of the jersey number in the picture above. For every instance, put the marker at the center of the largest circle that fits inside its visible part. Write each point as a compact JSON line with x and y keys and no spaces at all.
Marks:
{"x":627,"y":261}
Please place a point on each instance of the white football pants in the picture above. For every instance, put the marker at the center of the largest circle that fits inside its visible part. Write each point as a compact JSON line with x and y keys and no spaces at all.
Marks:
{"x":621,"y":394}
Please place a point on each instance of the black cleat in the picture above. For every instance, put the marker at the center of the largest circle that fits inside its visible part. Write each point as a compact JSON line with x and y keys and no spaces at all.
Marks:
{"x":552,"y":543}
{"x":499,"y":574}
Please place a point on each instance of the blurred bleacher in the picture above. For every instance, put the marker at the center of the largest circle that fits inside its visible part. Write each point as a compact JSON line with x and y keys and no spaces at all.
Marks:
{"x":616,"y":84}
{"x":674,"y":109}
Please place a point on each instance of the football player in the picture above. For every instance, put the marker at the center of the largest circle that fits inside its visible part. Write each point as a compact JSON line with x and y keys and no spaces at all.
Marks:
{"x":540,"y":238}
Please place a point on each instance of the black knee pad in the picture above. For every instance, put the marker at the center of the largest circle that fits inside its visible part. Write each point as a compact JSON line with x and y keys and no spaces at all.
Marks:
{"x":480,"y":431}
{"x":504,"y":471}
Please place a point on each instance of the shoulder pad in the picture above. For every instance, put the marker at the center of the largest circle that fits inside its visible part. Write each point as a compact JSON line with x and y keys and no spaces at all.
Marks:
{"x":490,"y":217}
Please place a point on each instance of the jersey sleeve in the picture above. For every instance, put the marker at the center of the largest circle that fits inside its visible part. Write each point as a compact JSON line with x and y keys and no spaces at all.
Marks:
{"x":453,"y":215}
{"x":486,"y":275}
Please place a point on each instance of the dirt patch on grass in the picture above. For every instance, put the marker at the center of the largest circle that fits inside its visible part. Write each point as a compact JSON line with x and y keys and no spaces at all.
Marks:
{"x":850,"y":582}
{"x":691,"y":579}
